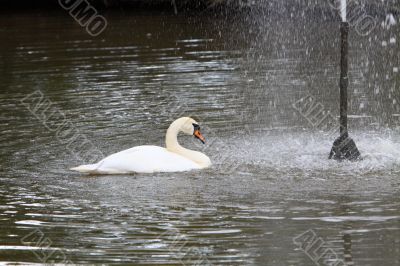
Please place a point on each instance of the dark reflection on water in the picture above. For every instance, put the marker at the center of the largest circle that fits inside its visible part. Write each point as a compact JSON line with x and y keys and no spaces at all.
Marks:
{"x":240,"y":80}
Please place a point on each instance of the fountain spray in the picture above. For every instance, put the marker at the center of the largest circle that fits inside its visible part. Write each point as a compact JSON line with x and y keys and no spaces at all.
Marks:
{"x":344,"y":148}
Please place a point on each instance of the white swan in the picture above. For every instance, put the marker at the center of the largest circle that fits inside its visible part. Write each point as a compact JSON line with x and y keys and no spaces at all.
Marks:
{"x":150,"y":159}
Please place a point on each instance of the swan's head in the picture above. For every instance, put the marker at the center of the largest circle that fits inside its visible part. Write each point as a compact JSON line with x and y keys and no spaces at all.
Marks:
{"x":191,"y":127}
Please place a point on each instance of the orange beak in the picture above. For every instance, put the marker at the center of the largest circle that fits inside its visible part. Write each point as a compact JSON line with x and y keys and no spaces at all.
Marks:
{"x":198,"y":135}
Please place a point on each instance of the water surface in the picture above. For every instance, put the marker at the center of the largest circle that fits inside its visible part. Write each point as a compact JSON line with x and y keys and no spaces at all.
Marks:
{"x":271,"y":180}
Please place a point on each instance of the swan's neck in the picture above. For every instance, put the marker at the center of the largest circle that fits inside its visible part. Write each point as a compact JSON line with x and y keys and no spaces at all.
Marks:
{"x":171,"y":141}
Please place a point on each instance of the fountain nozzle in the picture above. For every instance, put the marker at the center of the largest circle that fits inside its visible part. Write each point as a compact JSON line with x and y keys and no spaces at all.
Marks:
{"x":344,"y":148}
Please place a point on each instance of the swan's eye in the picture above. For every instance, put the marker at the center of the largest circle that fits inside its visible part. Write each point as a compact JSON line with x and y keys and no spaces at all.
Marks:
{"x":196,"y":126}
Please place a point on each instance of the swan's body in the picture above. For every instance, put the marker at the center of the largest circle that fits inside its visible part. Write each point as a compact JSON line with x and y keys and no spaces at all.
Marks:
{"x":151,"y":159}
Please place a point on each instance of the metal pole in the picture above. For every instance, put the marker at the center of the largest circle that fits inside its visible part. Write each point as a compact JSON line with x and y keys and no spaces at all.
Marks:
{"x":344,"y":79}
{"x":344,"y":148}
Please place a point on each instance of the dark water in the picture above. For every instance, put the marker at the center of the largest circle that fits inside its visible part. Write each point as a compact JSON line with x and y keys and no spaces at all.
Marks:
{"x":240,"y":77}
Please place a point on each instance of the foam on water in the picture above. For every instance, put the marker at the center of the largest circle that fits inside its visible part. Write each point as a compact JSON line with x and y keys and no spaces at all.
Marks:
{"x":308,"y":152}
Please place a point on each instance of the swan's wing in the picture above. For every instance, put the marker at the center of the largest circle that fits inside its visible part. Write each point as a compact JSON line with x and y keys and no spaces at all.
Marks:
{"x":145,"y":159}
